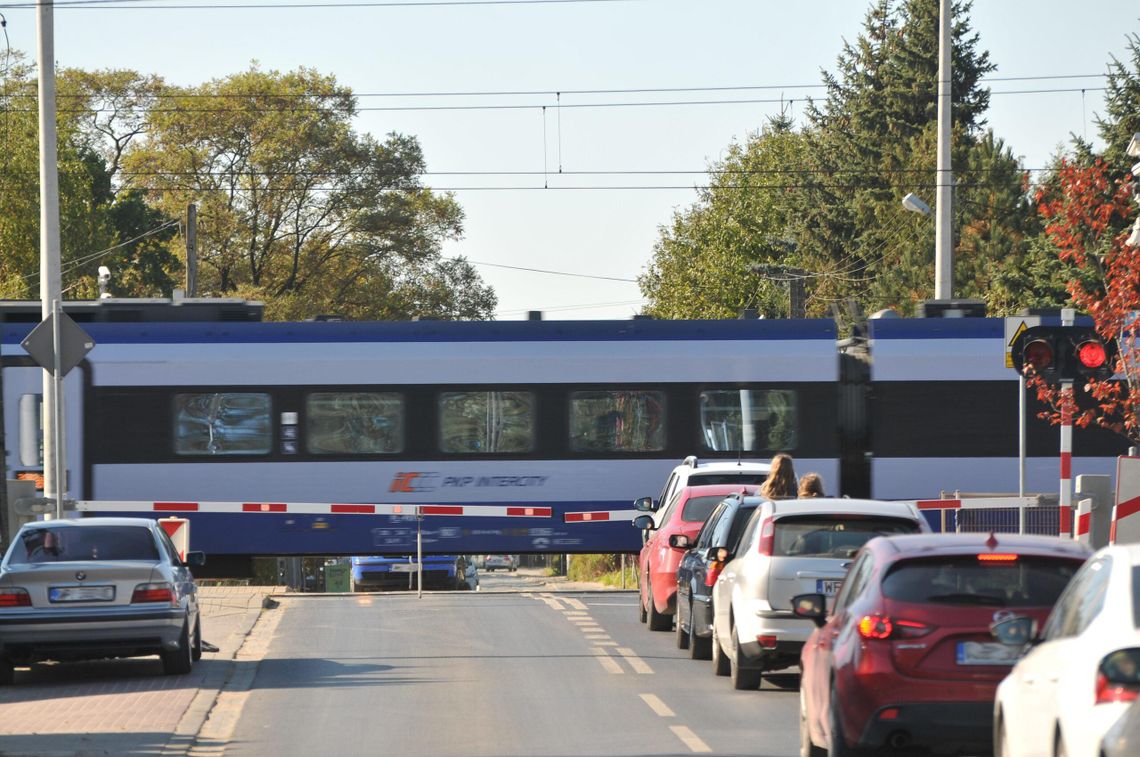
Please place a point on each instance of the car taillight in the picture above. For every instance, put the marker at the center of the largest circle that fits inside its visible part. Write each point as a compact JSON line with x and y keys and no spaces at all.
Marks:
{"x":14,"y":597}
{"x":715,"y":567}
{"x":1118,"y":677}
{"x":1107,"y":691}
{"x":767,"y":537}
{"x":879,"y":626}
{"x":160,"y":592}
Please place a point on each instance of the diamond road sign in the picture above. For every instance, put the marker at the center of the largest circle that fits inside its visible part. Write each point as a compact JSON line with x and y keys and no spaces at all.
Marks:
{"x":74,"y":344}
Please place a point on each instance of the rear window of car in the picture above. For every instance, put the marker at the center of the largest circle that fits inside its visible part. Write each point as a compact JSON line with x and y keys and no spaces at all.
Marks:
{"x":838,"y":535}
{"x":833,"y":535}
{"x":50,"y":545}
{"x":739,"y":523}
{"x":968,"y":580}
{"x":698,"y":509}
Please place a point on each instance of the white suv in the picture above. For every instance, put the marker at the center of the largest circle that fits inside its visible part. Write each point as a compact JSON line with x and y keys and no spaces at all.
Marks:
{"x":692,"y":472}
{"x":790,"y":547}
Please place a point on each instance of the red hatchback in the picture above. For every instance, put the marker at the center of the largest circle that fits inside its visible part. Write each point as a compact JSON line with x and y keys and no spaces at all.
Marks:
{"x":906,"y":657}
{"x":684,"y":514}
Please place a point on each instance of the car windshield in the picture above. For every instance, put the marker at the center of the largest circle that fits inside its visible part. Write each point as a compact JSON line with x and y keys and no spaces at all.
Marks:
{"x":968,"y":580}
{"x":48,"y":545}
{"x":708,"y":479}
{"x":698,"y":509}
{"x":833,"y":535}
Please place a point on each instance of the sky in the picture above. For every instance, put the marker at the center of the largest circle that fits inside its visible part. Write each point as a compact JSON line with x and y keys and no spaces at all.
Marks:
{"x":565,"y":188}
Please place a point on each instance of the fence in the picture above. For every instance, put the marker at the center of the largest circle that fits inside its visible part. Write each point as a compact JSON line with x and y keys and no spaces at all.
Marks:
{"x":997,"y":514}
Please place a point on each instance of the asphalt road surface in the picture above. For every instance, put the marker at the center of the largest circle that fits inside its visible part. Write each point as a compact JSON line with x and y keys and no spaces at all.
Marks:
{"x":489,"y":674}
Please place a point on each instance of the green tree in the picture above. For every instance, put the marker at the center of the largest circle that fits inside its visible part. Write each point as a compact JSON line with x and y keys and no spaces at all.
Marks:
{"x":702,"y":264}
{"x":298,"y":209}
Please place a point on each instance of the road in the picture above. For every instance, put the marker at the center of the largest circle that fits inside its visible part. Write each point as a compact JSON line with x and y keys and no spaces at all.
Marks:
{"x":494,"y":674}
{"x":514,"y":669}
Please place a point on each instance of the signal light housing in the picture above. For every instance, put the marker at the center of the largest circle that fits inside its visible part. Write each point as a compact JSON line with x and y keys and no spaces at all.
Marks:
{"x":1063,"y":353}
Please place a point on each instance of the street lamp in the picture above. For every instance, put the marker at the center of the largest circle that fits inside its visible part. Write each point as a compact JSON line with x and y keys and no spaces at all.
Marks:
{"x":912,"y":203}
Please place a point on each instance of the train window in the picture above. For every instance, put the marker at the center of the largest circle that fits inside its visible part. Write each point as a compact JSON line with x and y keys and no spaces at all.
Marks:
{"x":472,"y":423}
{"x":354,"y":423}
{"x":222,"y":423}
{"x":748,"y":420}
{"x":617,"y":421}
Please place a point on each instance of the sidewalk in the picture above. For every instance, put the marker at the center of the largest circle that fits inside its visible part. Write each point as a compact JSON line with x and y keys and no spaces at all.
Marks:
{"x":114,"y":707}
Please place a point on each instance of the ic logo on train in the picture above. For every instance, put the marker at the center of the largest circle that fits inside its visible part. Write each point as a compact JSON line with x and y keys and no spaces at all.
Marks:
{"x":413,"y":482}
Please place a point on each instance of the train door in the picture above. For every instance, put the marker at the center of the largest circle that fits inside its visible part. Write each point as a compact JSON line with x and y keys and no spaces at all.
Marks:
{"x":23,"y":425}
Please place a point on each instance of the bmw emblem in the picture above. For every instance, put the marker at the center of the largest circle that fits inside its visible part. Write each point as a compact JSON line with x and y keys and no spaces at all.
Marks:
{"x":80,"y":575}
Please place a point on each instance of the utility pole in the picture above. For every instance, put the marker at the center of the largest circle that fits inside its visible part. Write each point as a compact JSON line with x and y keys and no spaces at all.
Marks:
{"x":944,"y":202}
{"x":794,"y":277}
{"x":50,"y":295}
{"x":191,"y":250}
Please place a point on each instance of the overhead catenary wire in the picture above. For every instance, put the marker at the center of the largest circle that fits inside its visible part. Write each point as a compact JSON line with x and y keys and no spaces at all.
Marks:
{"x":141,"y":4}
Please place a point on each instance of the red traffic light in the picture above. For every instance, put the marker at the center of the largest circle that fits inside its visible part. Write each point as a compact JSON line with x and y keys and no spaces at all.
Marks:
{"x":1092,"y":354}
{"x":1039,"y":354}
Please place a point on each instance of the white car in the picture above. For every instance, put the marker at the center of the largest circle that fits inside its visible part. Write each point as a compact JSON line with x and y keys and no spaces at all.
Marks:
{"x":790,"y":547}
{"x":1080,"y":674}
{"x":693,"y":472}
{"x":97,"y":588}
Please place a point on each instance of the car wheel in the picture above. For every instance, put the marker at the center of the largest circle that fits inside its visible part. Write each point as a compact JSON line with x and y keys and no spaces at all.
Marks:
{"x":807,"y":746}
{"x":657,"y":621}
{"x":7,"y":672}
{"x":836,"y":742}
{"x":682,"y":634}
{"x":721,"y":665}
{"x":1059,"y":749}
{"x":179,"y":661}
{"x":196,"y":650}
{"x":743,"y":678}
{"x":699,"y":646}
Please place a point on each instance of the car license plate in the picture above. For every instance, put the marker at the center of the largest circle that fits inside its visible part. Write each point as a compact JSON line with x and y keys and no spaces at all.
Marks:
{"x":987,"y":653}
{"x":828,"y":587}
{"x":404,"y":567}
{"x":81,"y":593}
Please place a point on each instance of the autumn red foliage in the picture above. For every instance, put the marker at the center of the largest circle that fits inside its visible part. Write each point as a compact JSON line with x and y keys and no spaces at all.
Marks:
{"x":1084,"y":212}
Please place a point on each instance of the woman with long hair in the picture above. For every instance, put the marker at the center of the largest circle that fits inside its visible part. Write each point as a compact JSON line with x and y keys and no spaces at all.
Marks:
{"x":781,"y":481}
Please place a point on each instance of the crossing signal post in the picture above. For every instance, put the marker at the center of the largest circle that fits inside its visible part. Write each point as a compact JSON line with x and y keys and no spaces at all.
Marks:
{"x":1061,"y":355}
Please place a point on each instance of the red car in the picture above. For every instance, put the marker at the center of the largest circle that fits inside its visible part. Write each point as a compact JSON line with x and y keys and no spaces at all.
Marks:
{"x":906,"y":657}
{"x":684,"y":514}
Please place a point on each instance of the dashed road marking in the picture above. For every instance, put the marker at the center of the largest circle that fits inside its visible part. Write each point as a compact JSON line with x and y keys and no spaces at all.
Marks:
{"x":551,"y":600}
{"x":639,"y":666}
{"x":609,"y":663}
{"x":658,"y":706}
{"x":690,"y":739}
{"x":577,"y":604}
{"x":603,"y":641}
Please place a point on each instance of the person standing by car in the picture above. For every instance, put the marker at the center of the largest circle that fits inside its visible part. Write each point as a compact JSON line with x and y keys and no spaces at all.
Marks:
{"x":781,"y":481}
{"x":811,"y":485}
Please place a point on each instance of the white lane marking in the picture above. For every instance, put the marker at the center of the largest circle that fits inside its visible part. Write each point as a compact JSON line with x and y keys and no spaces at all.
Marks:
{"x":657,"y":705}
{"x":577,"y":604}
{"x":635,"y":662}
{"x":584,"y":621}
{"x":690,"y":739}
{"x":607,"y":662}
{"x":604,"y":643}
{"x":575,"y":614}
{"x":551,"y":600}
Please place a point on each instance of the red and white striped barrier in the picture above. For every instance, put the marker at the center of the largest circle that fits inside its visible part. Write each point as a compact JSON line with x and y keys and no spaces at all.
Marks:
{"x":315,"y":508}
{"x":1084,"y":522}
{"x":178,"y":529}
{"x":973,"y":503}
{"x":596,"y":516}
{"x":1126,"y":510}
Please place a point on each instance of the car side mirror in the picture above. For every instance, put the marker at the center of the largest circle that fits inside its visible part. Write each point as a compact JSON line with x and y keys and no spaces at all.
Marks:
{"x":810,"y":606}
{"x":644,"y":505}
{"x":195,"y":559}
{"x":717,"y":553}
{"x":1016,"y":632}
{"x":679,"y":541}
{"x":643,"y":522}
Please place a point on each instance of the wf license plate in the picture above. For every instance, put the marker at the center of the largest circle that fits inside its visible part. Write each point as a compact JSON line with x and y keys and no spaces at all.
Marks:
{"x":828,"y":587}
{"x":987,"y":653}
{"x":81,"y":593}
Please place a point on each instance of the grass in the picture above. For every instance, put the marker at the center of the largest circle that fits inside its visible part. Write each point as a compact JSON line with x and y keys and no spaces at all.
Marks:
{"x":603,"y":569}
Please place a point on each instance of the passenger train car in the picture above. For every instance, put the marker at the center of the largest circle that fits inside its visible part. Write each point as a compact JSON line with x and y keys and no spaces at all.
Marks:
{"x":574,"y":416}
